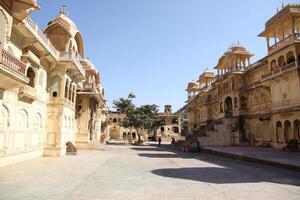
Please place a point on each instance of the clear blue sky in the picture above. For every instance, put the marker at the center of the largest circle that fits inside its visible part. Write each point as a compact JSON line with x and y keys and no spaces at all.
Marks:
{"x":155,"y":47}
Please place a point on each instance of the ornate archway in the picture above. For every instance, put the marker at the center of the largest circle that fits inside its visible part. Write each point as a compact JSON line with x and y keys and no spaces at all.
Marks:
{"x":228,"y":107}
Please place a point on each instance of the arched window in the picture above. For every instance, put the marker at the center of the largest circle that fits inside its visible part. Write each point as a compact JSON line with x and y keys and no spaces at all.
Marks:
{"x":273,"y":65}
{"x":290,"y":57}
{"x":31,"y":75}
{"x":209,"y":98}
{"x":54,"y":85}
{"x":66,"y":122}
{"x":297,"y":130}
{"x":287,"y":131}
{"x":70,"y":123}
{"x":175,"y":129}
{"x":4,"y":118}
{"x":279,"y":135}
{"x":281,"y":61}
{"x":228,"y":107}
{"x":115,"y":120}
{"x":66,"y":88}
{"x":23,"y":119}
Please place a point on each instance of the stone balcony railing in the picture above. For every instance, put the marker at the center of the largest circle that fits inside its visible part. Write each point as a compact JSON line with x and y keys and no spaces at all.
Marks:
{"x":89,"y":86}
{"x":284,"y":42}
{"x":60,"y":101}
{"x":285,"y":103}
{"x":12,"y":63}
{"x":71,"y":57}
{"x":34,"y":29}
{"x":279,"y":71}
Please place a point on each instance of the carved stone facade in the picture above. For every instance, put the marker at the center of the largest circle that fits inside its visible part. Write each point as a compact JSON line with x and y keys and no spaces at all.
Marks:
{"x":43,"y":78}
{"x":256,"y":104}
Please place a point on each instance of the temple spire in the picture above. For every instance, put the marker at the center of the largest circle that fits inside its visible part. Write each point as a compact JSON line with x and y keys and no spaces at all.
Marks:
{"x":63,"y":10}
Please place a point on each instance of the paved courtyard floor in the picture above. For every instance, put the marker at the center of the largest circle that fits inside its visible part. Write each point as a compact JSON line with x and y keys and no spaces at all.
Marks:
{"x":145,"y":172}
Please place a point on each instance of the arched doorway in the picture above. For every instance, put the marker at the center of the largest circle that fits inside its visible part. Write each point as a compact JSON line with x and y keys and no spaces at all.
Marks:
{"x":114,"y":133}
{"x":228,"y":107}
{"x":297,"y":130}
{"x":290,"y":57}
{"x":124,"y":136}
{"x":175,"y":129}
{"x":4,"y":123}
{"x":287,"y":131}
{"x":279,"y":135}
{"x":133,"y":136}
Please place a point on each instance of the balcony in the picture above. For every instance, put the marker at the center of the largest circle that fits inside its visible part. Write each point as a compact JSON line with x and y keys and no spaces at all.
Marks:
{"x":37,"y":33}
{"x":89,"y":87}
{"x":286,"y":103}
{"x":284,"y":42}
{"x":27,"y":93}
{"x":280,"y":71}
{"x":60,"y":101}
{"x":12,"y":71}
{"x":71,"y":57}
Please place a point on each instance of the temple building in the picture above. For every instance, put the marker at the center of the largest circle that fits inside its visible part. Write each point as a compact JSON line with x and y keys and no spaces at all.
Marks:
{"x":251,"y":104}
{"x":50,"y":94}
{"x":171,"y":125}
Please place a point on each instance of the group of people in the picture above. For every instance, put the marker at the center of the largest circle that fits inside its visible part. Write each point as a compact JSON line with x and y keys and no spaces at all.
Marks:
{"x":172,"y":142}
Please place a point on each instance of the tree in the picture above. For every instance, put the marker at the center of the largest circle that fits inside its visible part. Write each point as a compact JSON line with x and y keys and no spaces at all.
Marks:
{"x":144,"y":116}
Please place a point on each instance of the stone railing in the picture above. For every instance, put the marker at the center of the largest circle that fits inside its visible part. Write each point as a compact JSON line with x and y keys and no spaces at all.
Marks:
{"x":88,"y":86}
{"x":12,"y":62}
{"x":61,"y":101}
{"x":279,"y":70}
{"x":285,"y":41}
{"x":33,"y":27}
{"x":71,"y":57}
{"x":285,"y":103}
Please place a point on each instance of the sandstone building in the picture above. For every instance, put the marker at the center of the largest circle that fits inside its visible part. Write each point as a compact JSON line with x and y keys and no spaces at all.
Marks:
{"x":256,"y":104}
{"x":171,"y":124}
{"x":50,"y":94}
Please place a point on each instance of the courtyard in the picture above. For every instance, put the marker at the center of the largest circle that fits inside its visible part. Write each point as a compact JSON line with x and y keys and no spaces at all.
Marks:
{"x":144,"y":172}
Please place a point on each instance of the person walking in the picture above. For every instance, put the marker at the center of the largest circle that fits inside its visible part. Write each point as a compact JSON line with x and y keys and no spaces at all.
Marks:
{"x":159,"y":141}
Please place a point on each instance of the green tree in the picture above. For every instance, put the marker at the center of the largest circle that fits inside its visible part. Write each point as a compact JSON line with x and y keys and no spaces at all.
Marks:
{"x":143,"y":117}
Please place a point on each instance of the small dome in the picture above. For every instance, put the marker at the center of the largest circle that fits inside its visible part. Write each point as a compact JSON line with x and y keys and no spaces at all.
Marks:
{"x":192,"y":85}
{"x":66,"y":22}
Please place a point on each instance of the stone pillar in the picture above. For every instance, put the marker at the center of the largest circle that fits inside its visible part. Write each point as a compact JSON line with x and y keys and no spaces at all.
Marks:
{"x":98,"y":125}
{"x":82,"y":136}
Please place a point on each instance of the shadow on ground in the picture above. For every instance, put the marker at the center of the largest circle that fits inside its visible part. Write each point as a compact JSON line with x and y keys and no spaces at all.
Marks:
{"x":226,"y":170}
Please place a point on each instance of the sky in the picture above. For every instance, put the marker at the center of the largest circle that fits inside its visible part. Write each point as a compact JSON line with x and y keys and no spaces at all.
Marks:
{"x":155,"y":47}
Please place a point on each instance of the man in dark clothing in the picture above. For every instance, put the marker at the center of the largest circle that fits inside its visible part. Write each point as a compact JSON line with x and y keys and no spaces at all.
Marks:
{"x":159,"y":141}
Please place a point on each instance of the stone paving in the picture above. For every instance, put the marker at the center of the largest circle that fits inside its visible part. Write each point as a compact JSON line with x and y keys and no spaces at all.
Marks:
{"x":145,"y":172}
